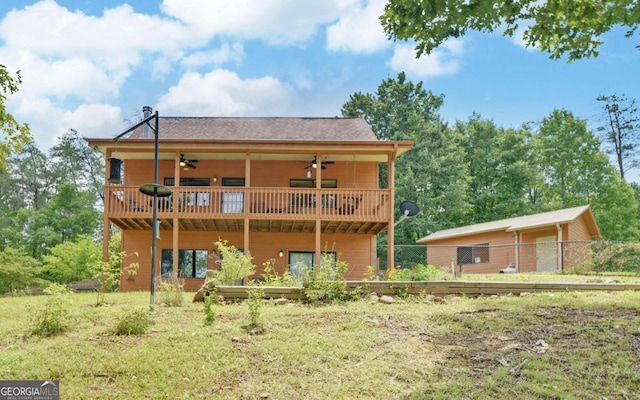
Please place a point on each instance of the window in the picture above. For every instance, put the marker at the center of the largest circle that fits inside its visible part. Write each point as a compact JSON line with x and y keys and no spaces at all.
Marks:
{"x":188,"y":181}
{"x":476,"y":254}
{"x":191,"y":263}
{"x":301,"y":262}
{"x":311,"y":183}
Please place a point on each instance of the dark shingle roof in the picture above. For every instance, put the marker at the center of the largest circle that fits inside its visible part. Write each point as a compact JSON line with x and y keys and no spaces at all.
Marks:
{"x":290,"y":129}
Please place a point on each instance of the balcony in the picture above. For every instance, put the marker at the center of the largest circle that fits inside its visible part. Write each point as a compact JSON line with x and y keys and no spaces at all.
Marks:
{"x":199,"y":208}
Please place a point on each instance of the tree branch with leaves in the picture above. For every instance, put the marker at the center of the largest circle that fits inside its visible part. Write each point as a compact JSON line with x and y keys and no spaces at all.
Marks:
{"x":13,"y":135}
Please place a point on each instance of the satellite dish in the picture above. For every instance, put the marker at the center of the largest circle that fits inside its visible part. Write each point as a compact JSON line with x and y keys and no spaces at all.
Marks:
{"x":408,"y":208}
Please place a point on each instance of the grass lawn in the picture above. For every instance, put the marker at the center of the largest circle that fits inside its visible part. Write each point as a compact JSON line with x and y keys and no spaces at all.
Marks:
{"x":540,"y":346}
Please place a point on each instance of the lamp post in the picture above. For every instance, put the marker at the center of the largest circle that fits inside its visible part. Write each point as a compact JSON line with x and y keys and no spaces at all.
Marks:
{"x":152,"y":189}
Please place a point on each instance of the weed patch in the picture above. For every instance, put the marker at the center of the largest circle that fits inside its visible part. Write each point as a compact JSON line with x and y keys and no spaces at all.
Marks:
{"x":54,"y":317}
{"x":134,"y":322}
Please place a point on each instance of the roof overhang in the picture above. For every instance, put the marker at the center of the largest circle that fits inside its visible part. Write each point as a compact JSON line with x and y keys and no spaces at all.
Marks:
{"x":140,"y":149}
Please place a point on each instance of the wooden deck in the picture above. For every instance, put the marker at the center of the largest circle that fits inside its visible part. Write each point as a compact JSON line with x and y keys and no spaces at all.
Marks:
{"x":266,"y":209}
{"x":437,"y":288}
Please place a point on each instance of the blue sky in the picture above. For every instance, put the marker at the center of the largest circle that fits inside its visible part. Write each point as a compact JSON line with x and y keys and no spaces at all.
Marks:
{"x":91,"y":65}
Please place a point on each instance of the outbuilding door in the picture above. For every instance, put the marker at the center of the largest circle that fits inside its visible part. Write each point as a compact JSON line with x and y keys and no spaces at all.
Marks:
{"x":546,"y":254}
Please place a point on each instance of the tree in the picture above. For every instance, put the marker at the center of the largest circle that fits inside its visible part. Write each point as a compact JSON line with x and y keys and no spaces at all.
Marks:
{"x":559,"y":27}
{"x":73,"y":261}
{"x":499,"y":168}
{"x":13,"y":135}
{"x":81,"y":165}
{"x":432,"y":174}
{"x":34,"y":177}
{"x":17,"y":271}
{"x":621,"y":130}
{"x":577,"y":172}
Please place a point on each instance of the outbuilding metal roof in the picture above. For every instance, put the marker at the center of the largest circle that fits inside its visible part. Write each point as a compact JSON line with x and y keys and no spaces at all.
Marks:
{"x":545,"y":219}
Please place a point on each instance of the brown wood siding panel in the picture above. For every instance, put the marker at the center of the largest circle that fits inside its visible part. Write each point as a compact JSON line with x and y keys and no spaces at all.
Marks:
{"x":499,"y":257}
{"x":264,"y":173}
{"x":354,"y":249}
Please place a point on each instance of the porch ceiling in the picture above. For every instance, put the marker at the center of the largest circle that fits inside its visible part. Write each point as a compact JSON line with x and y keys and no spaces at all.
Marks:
{"x":260,"y":225}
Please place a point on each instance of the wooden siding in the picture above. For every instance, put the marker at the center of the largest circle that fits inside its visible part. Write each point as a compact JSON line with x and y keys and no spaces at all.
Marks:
{"x":272,"y":215}
{"x":354,"y":249}
{"x":440,"y":253}
{"x":575,"y":248}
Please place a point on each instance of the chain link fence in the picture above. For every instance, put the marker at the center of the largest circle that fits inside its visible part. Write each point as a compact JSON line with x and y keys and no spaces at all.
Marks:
{"x":567,"y":256}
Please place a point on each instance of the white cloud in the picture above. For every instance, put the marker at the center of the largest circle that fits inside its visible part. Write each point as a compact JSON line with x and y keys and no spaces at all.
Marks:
{"x":48,"y":122}
{"x":359,"y":29}
{"x":226,"y":53}
{"x":222,"y":93}
{"x":443,"y":61}
{"x":274,"y":21}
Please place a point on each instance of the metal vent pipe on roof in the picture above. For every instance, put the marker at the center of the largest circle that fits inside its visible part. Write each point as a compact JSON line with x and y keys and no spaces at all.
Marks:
{"x":146,"y":112}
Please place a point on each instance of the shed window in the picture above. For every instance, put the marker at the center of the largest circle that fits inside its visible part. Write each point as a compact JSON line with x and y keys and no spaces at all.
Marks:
{"x":478,"y":253}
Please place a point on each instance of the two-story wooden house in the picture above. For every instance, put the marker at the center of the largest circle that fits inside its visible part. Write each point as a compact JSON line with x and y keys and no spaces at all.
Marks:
{"x":286,"y":189}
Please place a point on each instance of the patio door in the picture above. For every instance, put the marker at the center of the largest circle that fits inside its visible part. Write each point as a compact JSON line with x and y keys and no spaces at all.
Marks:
{"x":232,"y":202}
{"x":546,"y":254}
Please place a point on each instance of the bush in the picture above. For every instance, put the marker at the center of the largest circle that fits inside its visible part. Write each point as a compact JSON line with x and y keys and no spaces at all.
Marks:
{"x":419,"y":272}
{"x":271,"y":278}
{"x":209,"y":314}
{"x":18,"y":271}
{"x":616,"y":257}
{"x":234,"y":265}
{"x":134,"y":322}
{"x":171,"y":293}
{"x":254,"y":301}
{"x":73,"y":261}
{"x":54,"y":317}
{"x":325,"y":283}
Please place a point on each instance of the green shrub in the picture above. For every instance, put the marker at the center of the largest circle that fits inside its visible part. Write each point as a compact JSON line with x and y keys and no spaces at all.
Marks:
{"x":54,"y":317}
{"x":325,"y":282}
{"x":234,"y":265}
{"x":271,"y":278}
{"x":209,"y":314}
{"x":616,"y":257}
{"x":134,"y":322}
{"x":171,"y":293}
{"x":254,"y":300}
{"x":419,"y":272}
{"x":18,"y":272}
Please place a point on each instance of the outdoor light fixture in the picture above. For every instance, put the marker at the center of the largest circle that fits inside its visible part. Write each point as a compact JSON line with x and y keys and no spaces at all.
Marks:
{"x":115,"y":170}
{"x":308,"y":174}
{"x":281,"y":254}
{"x":314,"y":163}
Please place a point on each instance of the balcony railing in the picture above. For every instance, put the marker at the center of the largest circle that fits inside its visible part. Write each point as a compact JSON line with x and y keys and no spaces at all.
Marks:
{"x":255,"y":202}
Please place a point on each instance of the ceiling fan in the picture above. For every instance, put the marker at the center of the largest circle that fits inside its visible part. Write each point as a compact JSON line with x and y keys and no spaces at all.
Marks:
{"x":187,"y":163}
{"x":314,"y":164}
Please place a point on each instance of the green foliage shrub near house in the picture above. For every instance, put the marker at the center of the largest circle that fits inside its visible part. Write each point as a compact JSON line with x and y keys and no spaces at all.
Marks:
{"x":171,"y":293}
{"x":419,"y":272}
{"x":325,"y":282}
{"x":209,"y":313}
{"x":54,"y":317}
{"x":234,"y":265}
{"x":270,"y":276}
